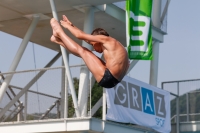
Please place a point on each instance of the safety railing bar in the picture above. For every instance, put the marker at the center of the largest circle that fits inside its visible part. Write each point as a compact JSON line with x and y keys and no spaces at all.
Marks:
{"x":35,"y":92}
{"x":39,"y":69}
{"x":180,"y":81}
{"x":186,"y":114}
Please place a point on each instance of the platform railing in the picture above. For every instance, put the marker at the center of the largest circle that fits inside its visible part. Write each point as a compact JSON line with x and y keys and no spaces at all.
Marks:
{"x":42,"y":100}
{"x":184,"y":102}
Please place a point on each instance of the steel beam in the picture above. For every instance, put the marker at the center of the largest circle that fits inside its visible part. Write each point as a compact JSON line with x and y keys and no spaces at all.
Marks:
{"x":66,"y":63}
{"x":165,"y":10}
{"x":84,"y":72}
{"x":154,"y":65}
{"x":154,"y":62}
{"x":12,"y":102}
{"x":18,"y":55}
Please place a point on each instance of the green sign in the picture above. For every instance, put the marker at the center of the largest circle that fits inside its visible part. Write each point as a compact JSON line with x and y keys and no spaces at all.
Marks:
{"x":138,"y":28}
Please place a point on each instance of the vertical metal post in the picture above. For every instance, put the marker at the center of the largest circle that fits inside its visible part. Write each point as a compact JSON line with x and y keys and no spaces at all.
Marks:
{"x":0,"y":77}
{"x":156,"y":13}
{"x":25,"y":105}
{"x":83,"y":91}
{"x":84,"y":73}
{"x":66,"y":63}
{"x":104,"y":108}
{"x":177,"y":110}
{"x":187,"y":105}
{"x":104,"y":104}
{"x":90,"y":113}
{"x":154,"y":63}
{"x":58,"y":109}
{"x":64,"y":94}
{"x":19,"y":114}
{"x":19,"y":55}
{"x":66,"y":98}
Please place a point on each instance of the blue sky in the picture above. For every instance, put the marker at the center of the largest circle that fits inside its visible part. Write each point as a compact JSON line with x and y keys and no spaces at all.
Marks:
{"x":178,"y":55}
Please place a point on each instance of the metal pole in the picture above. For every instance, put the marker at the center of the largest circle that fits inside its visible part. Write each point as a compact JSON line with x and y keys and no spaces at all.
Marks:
{"x":187,"y":100}
{"x":10,"y":104}
{"x":66,"y":98}
{"x":83,"y":91}
{"x":0,"y":77}
{"x":104,"y":107}
{"x":165,"y":11}
{"x":162,"y":86}
{"x":66,"y":63}
{"x":62,"y":93}
{"x":156,"y":13}
{"x":154,"y":65}
{"x":157,"y":23}
{"x":84,"y":72}
{"x":65,"y":94}
{"x":90,"y":98}
{"x":104,"y":104}
{"x":25,"y":105}
{"x":19,"y":114}
{"x":19,"y":55}
{"x":177,"y":110}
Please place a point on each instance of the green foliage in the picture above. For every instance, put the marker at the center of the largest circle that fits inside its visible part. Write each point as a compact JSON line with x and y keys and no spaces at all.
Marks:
{"x":97,"y":92}
{"x":182,"y":106}
{"x":30,"y":117}
{"x":71,"y":109}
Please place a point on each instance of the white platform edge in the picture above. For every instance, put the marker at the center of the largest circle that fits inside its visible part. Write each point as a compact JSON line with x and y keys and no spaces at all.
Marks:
{"x":69,"y":125}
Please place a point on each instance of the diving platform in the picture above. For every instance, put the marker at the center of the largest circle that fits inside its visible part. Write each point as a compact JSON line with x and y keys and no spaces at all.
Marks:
{"x":187,"y":127}
{"x":70,"y":125}
{"x":26,"y":97}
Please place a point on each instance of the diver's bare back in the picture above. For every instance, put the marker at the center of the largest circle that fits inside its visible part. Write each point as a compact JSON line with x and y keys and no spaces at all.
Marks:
{"x":116,"y":58}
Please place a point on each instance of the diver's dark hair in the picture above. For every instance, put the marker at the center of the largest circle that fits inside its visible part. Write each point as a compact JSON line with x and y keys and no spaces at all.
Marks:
{"x":99,"y":31}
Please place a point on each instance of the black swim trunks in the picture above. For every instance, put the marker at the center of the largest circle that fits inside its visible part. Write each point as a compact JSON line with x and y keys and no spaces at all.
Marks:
{"x":108,"y":80}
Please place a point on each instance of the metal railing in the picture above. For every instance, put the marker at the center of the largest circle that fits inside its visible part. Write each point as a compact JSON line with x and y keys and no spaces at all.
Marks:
{"x":184,"y":100}
{"x":42,"y":100}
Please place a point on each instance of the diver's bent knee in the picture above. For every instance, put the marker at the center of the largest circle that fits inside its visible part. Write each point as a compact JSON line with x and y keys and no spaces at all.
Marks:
{"x":84,"y":50}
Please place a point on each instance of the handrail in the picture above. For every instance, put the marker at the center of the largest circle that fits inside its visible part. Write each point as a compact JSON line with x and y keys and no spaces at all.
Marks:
{"x":185,"y":115}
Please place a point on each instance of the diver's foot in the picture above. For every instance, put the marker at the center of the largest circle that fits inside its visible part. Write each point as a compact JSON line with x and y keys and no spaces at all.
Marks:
{"x":57,"y":30}
{"x":56,"y":40}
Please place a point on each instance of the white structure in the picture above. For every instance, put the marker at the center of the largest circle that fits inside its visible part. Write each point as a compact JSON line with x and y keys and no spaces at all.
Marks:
{"x":86,"y":15}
